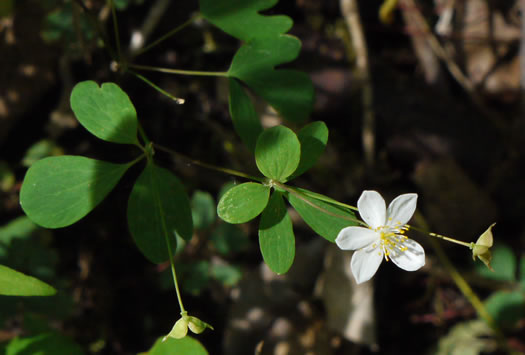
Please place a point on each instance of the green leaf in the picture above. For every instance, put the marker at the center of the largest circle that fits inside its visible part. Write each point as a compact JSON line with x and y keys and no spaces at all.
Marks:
{"x":106,"y":112}
{"x":276,"y":238}
{"x":503,"y":262}
{"x":43,"y":344}
{"x":240,"y":18}
{"x":277,"y":153}
{"x":171,"y":346}
{"x":245,"y":119}
{"x":229,"y":238}
{"x":14,"y":283}
{"x":21,"y":227}
{"x":157,"y":208}
{"x":506,"y":308}
{"x":40,"y":150}
{"x":58,"y":191}
{"x":7,"y":177}
{"x":313,"y":138}
{"x":326,"y":225}
{"x":243,"y":203}
{"x":290,"y":92}
{"x":203,"y":209}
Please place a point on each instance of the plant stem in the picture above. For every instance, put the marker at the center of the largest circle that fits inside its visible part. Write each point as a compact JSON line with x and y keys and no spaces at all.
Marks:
{"x":440,"y":236}
{"x":115,"y":29}
{"x":162,"y":91}
{"x":209,"y":166}
{"x":167,"y":35}
{"x":178,"y":71}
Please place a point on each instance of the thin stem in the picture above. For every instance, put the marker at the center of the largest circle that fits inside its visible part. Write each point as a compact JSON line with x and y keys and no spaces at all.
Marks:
{"x":327,"y":199}
{"x":174,"y":274}
{"x":178,"y":71}
{"x":143,"y":134}
{"x":115,"y":28}
{"x":299,"y":195}
{"x":167,"y":35}
{"x":162,"y":91}
{"x":209,"y":166}
{"x":440,"y":236}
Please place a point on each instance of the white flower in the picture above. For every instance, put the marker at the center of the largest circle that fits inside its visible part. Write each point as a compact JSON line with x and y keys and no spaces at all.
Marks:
{"x":383,"y":237}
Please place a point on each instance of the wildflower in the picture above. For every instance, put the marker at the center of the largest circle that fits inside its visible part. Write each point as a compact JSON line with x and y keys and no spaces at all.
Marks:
{"x":384,"y":236}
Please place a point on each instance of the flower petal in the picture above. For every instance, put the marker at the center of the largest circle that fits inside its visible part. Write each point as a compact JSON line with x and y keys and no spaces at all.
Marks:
{"x":401,"y":209}
{"x":365,"y":263}
{"x":372,"y":208}
{"x":411,"y":259}
{"x":353,"y":238}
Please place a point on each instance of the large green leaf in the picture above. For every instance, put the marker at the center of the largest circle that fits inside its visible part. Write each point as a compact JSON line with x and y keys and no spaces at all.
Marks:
{"x":243,"y":203}
{"x":290,"y":92}
{"x":240,"y":18}
{"x":14,"y":283}
{"x":171,"y":346}
{"x":244,"y":117}
{"x":106,"y":111}
{"x":328,"y":225}
{"x":58,"y":191}
{"x":505,"y":307}
{"x":43,"y":344}
{"x":157,"y":208}
{"x":277,"y":153}
{"x":313,"y":138}
{"x":276,"y":238}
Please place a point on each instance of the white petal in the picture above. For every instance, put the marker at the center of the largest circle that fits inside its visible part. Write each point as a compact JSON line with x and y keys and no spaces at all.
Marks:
{"x":353,"y":238}
{"x":411,"y":259}
{"x":365,"y":263}
{"x":401,"y":209}
{"x":372,"y":208}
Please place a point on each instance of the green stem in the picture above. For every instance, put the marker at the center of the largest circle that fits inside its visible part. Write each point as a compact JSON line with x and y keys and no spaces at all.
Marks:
{"x":178,"y":71}
{"x":327,"y":199}
{"x":440,"y":236}
{"x":167,"y":35}
{"x":143,"y":134}
{"x":115,"y":29}
{"x":162,"y":91}
{"x":301,"y":196}
{"x":209,"y":166}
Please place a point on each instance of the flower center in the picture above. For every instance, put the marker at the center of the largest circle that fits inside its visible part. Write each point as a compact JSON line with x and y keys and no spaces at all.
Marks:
{"x":392,"y":240}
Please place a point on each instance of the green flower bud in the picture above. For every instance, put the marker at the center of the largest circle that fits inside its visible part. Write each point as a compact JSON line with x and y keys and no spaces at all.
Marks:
{"x":482,"y":247}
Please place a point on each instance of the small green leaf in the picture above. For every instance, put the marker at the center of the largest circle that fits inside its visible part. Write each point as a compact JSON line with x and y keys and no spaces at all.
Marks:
{"x":40,"y":150}
{"x":21,"y":227}
{"x":506,"y":308}
{"x":158,"y":207}
{"x":171,"y":346}
{"x":58,"y":191}
{"x":290,"y":92}
{"x":277,"y":153}
{"x":243,"y":203}
{"x":14,"y":283}
{"x":228,"y":275}
{"x":106,"y":112}
{"x":245,"y":119}
{"x":43,"y":344}
{"x":240,"y":18}
{"x":203,"y":209}
{"x":313,"y":138}
{"x":276,"y":238}
{"x":326,"y":225}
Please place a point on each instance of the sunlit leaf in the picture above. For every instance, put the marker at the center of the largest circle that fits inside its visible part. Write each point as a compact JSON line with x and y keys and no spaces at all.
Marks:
{"x":328,"y":225}
{"x":14,"y":283}
{"x":243,"y":203}
{"x":276,"y":238}
{"x":313,"y":138}
{"x":58,"y":191}
{"x":277,"y":153}
{"x":106,"y":111}
{"x":158,"y":207}
{"x":171,"y":346}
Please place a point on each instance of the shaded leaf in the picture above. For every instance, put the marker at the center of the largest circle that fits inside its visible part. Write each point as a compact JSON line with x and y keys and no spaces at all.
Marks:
{"x":327,"y":225}
{"x":506,"y":308}
{"x":43,"y":344}
{"x":158,"y":207}
{"x":228,"y":238}
{"x":58,"y":191}
{"x":313,"y":138}
{"x":276,"y":238}
{"x":106,"y":112}
{"x":203,"y":209}
{"x":245,"y":119}
{"x":243,"y":203}
{"x":171,"y":346}
{"x":504,"y":264}
{"x":277,"y":153}
{"x":228,"y":275}
{"x":14,"y":283}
